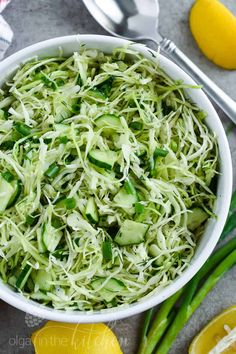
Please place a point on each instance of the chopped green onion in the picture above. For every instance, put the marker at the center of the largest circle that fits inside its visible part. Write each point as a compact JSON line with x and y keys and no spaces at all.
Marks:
{"x":79,"y":81}
{"x":47,"y":140}
{"x":105,"y":87}
{"x":23,"y":129}
{"x":139,"y":208}
{"x":52,"y":170}
{"x":174,"y":146}
{"x":8,"y":176}
{"x":63,"y":139}
{"x":107,"y":250}
{"x":60,"y":254}
{"x":4,"y":114}
{"x":7,"y":145}
{"x":136,"y":125}
{"x":70,"y":203}
{"x":47,"y":81}
{"x":160,"y":152}
{"x":75,"y":108}
{"x":60,"y":82}
{"x":129,"y":187}
{"x":56,"y":222}
{"x":32,"y":219}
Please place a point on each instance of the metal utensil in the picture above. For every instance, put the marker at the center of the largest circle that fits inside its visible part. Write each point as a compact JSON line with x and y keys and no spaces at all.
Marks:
{"x":138,"y":20}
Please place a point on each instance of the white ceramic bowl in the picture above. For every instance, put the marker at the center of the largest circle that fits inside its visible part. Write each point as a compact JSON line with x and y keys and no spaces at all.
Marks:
{"x":214,"y":227}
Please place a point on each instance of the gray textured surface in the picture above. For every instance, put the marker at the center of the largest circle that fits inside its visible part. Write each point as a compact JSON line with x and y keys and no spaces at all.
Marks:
{"x":36,"y":20}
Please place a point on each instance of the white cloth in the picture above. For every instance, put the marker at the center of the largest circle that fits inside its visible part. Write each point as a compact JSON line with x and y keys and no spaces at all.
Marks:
{"x":6,"y":34}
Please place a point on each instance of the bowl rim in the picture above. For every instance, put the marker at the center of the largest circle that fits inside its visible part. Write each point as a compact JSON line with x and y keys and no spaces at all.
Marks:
{"x":19,"y":301}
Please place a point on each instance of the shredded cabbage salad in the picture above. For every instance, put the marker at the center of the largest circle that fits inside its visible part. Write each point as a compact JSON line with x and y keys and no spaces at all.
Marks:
{"x":107,"y":175}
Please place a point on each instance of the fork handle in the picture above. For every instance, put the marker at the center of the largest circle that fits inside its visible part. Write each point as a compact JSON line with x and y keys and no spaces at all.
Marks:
{"x":217,"y":95}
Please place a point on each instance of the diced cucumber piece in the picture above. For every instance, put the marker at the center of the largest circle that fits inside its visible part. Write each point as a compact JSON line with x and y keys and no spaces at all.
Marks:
{"x":32,"y":219}
{"x":92,"y":211}
{"x":59,"y":127}
{"x":131,"y":233}
{"x":42,"y":279}
{"x":2,"y":114}
{"x":94,"y":92}
{"x":41,"y":246}
{"x":107,"y":250}
{"x":24,"y":275}
{"x":9,"y":193}
{"x":30,"y":284}
{"x":103,"y":159}
{"x":108,"y":121}
{"x":6,"y":192}
{"x":16,"y":184}
{"x":40,"y":295}
{"x":102,"y":90}
{"x":196,"y":217}
{"x":112,"y":288}
{"x":62,"y":109}
{"x":66,"y":203}
{"x":125,"y":200}
{"x":51,"y":237}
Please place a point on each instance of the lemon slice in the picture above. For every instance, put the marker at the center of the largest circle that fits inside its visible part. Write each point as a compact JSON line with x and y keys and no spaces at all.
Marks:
{"x":219,"y":336}
{"x":64,"y":338}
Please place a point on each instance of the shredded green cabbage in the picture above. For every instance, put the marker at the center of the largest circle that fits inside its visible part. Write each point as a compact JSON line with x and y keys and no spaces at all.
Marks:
{"x":48,"y":127}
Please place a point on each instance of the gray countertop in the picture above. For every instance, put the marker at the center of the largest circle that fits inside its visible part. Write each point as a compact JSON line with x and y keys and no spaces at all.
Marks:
{"x":36,"y":20}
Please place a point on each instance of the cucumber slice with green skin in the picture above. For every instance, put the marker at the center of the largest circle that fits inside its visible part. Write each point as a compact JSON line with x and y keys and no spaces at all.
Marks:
{"x":131,"y":233}
{"x":66,"y":203}
{"x":125,"y":200}
{"x":103,"y":159}
{"x":92,"y":211}
{"x":9,"y":193}
{"x":43,"y":279}
{"x":23,"y":277}
{"x":6,"y":193}
{"x":94,"y":92}
{"x":41,"y":246}
{"x":110,"y":121}
{"x":60,"y":127}
{"x":196,"y":218}
{"x":29,"y":284}
{"x":51,"y":237}
{"x":17,"y":191}
{"x":112,"y":288}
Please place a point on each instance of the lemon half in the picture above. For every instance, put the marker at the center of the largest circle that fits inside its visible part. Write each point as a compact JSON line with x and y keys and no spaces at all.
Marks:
{"x":219,"y":336}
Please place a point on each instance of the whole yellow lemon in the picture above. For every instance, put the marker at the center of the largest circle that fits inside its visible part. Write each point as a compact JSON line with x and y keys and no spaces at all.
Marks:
{"x":214,"y":28}
{"x":68,"y":338}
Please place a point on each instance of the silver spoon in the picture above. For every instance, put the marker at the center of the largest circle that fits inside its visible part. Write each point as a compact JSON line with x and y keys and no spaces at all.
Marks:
{"x":138,"y":20}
